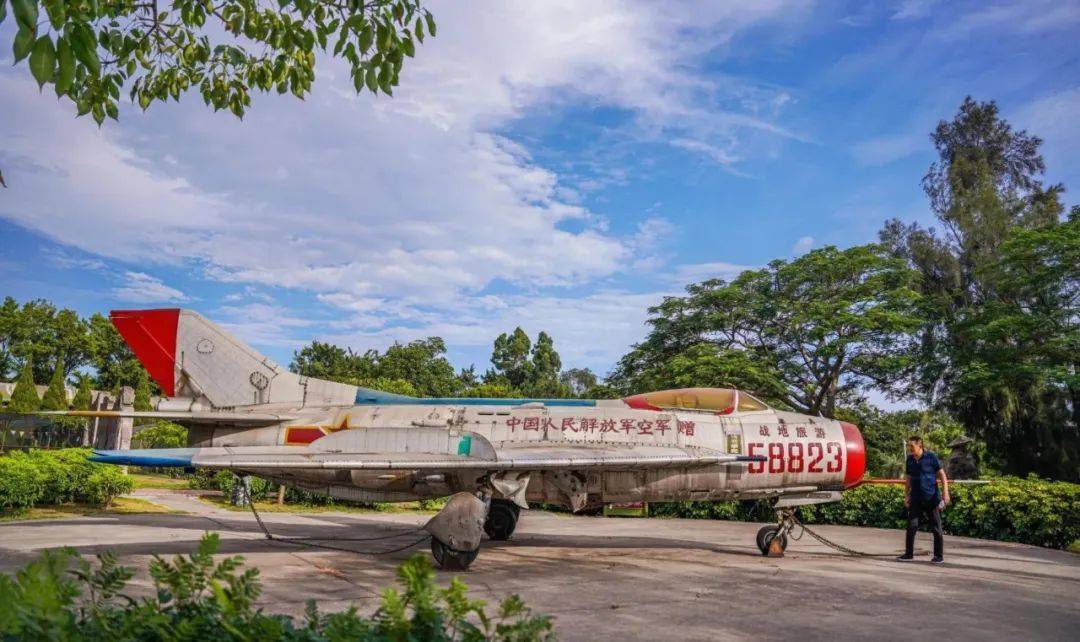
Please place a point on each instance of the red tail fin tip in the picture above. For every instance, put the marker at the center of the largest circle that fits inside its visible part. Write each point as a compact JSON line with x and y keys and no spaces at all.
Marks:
{"x":151,"y":335}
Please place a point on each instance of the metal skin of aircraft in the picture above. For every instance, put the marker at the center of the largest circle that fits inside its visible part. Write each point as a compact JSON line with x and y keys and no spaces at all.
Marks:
{"x":491,"y":456}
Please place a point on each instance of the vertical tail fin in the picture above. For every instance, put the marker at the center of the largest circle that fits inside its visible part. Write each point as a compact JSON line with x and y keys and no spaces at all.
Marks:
{"x":191,"y":357}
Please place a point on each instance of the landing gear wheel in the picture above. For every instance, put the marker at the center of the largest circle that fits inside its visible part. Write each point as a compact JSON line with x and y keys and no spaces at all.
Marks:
{"x":501,"y":519}
{"x":449,"y":559}
{"x":765,"y":537}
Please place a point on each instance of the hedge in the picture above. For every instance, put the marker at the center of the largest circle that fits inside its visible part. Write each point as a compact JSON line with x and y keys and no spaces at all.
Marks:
{"x":198,"y":598}
{"x":1011,"y":509}
{"x":47,"y":477}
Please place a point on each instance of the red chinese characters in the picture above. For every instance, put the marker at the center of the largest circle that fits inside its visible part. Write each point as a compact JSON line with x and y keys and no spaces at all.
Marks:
{"x":783,"y":430}
{"x":686,"y":428}
{"x":531,"y":423}
{"x":568,"y":424}
{"x":644,"y":427}
{"x":608,"y":425}
{"x":763,"y":431}
{"x":800,"y":431}
{"x":819,"y":432}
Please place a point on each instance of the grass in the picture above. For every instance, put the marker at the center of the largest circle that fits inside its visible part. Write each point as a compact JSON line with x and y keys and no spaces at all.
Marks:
{"x":120,"y":506}
{"x":152,"y":480}
{"x":1074,"y":547}
{"x":274,"y":507}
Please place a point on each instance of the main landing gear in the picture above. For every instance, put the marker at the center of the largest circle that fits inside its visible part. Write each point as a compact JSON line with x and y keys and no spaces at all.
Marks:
{"x":499,"y":524}
{"x":772,"y":540}
{"x":457,"y":529}
{"x":501,"y":519}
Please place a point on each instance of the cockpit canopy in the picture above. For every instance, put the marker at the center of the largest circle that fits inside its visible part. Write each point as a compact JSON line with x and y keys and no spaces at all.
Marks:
{"x":722,"y":401}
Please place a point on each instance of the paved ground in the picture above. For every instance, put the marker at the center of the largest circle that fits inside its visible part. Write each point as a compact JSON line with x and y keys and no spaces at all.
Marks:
{"x":632,"y":578}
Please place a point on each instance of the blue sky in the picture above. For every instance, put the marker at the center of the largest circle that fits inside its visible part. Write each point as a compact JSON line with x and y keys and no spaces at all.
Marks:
{"x":559,"y":166}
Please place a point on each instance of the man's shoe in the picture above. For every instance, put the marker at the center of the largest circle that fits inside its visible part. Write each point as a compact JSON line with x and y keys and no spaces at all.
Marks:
{"x":937,"y":560}
{"x":905,"y":558}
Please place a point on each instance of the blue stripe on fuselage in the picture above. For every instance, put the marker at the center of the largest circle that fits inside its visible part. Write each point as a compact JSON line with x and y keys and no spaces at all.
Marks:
{"x":368,"y":397}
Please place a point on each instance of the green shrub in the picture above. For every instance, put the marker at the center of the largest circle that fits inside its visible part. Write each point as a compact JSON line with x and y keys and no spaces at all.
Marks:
{"x":45,"y":477}
{"x":1031,"y":511}
{"x":105,"y":484}
{"x":198,"y":598}
{"x":22,"y":484}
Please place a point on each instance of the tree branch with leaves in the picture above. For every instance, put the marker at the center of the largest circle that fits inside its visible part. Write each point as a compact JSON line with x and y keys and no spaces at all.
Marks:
{"x":91,"y":51}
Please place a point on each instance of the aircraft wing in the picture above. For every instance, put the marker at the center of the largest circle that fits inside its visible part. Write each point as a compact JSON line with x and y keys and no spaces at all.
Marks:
{"x":243,"y":419}
{"x":422,"y":448}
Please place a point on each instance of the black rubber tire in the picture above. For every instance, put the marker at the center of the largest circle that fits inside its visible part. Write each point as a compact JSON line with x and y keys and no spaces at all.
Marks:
{"x":449,"y":559}
{"x":766,"y":536}
{"x":501,"y":519}
{"x":761,"y":537}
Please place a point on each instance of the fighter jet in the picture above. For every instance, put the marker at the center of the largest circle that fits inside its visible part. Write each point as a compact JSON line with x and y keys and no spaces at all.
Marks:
{"x":492,"y":457}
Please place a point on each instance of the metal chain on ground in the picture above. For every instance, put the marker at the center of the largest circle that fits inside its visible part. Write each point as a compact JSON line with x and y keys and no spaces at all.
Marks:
{"x":310,"y":541}
{"x":828,"y":542}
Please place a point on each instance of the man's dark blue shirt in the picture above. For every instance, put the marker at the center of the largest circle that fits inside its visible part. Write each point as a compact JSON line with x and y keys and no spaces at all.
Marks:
{"x":923,"y":473}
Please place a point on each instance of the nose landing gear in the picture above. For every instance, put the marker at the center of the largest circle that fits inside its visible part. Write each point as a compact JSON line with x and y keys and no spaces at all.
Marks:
{"x":772,"y":540}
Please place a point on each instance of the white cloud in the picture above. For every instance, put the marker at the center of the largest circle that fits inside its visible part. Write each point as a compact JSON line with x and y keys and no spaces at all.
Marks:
{"x":886,"y":149}
{"x":914,"y":9}
{"x":140,"y":287}
{"x":62,"y":259}
{"x":398,"y":210}
{"x":1053,"y":118}
{"x":802,"y":246}
{"x":697,"y":272}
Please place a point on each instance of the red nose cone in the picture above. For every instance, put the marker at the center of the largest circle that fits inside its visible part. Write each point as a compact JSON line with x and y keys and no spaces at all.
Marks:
{"x":856,"y":454}
{"x":151,"y":335}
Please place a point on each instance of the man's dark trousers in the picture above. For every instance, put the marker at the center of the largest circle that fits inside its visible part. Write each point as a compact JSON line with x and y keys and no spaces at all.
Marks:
{"x":916,"y":512}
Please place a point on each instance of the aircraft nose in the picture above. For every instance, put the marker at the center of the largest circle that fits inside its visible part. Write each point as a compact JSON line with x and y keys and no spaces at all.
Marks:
{"x":856,"y":454}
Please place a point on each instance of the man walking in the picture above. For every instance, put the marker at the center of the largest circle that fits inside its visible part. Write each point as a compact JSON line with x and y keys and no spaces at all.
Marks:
{"x":922,"y":499}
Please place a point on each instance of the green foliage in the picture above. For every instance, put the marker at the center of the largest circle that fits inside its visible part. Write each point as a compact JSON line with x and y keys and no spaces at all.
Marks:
{"x":22,"y":483}
{"x":61,"y":596}
{"x":806,"y":334}
{"x":1000,"y":334}
{"x":1031,"y":511}
{"x":84,"y":394}
{"x":42,"y":477}
{"x":56,"y":395}
{"x":24,"y":397}
{"x":90,"y":51}
{"x":142,"y":394}
{"x":531,"y":369}
{"x":578,"y":380}
{"x":885,"y":435}
{"x":114,"y":363}
{"x":38,"y":331}
{"x":161,"y":434}
{"x":417,"y":368}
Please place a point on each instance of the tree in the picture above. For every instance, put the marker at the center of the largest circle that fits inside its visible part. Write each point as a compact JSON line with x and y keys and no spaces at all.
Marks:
{"x":423,"y":364}
{"x":521,"y":365}
{"x":141,"y":402}
{"x":415,"y":368}
{"x":39,"y":331}
{"x":510,"y":357}
{"x":331,"y":362}
{"x":90,"y":51}
{"x":808,"y":334}
{"x":113,"y":361}
{"x":997,"y":344}
{"x":56,"y":395}
{"x":24,"y":397}
{"x":578,"y":380}
{"x":83,"y":395}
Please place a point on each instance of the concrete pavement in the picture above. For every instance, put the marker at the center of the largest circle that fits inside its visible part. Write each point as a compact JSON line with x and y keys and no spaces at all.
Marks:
{"x":627,"y":578}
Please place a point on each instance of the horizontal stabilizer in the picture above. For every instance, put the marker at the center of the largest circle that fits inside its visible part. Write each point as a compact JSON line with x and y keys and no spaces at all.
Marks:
{"x":246,"y":419}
